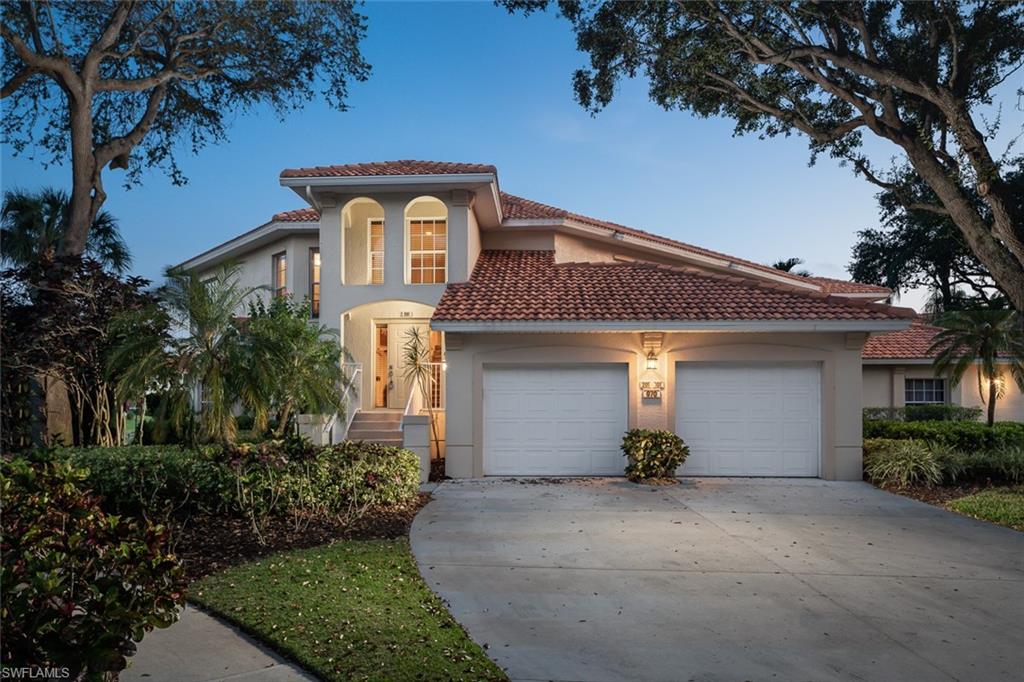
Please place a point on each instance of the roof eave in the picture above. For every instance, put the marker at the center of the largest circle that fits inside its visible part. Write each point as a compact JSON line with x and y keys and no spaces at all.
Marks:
{"x":257,"y":236}
{"x":583,"y":326}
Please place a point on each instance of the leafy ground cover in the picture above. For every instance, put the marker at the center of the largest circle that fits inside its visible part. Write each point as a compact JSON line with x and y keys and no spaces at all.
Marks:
{"x":352,"y":610}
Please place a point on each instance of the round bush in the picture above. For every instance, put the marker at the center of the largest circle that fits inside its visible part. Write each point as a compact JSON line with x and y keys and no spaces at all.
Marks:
{"x":903,"y":463}
{"x":653,"y":454}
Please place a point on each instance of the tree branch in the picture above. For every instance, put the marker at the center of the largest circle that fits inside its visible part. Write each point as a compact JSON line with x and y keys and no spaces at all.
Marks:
{"x":120,"y":146}
{"x":59,"y":68}
{"x":16,"y":81}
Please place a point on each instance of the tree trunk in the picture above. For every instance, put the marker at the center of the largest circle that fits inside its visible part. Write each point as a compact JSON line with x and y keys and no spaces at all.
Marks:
{"x":992,"y":390}
{"x":84,"y":204}
{"x":1005,"y":269}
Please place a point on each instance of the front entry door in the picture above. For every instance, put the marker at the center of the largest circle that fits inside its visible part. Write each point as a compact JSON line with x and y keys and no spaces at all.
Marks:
{"x":398,"y":387}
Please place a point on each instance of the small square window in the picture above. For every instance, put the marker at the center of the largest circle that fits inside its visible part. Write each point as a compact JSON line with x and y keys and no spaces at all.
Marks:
{"x":924,"y":391}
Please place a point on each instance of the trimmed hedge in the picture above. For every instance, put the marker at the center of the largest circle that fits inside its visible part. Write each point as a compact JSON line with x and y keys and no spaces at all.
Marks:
{"x":920,"y":413}
{"x":253,"y":481}
{"x":966,"y":436}
{"x":653,"y":454}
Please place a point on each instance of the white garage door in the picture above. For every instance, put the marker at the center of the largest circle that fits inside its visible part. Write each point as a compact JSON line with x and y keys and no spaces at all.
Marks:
{"x":554,"y":420}
{"x":749,"y":420}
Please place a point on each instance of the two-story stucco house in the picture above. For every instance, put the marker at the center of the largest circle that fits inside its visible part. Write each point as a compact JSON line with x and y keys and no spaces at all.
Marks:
{"x":553,"y":332}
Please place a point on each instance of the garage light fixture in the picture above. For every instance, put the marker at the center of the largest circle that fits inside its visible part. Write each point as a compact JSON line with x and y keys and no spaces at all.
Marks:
{"x":652,"y":360}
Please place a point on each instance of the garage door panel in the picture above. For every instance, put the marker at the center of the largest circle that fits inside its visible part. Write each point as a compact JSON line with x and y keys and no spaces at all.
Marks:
{"x":554,"y":420}
{"x":749,"y":420}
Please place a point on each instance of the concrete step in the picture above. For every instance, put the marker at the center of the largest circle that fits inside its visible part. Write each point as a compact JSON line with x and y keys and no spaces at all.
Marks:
{"x":378,"y":417}
{"x":374,"y":434}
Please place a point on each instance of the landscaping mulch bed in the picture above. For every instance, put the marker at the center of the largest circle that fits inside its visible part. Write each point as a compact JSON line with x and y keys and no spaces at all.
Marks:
{"x":210,"y":544}
{"x":940,"y":496}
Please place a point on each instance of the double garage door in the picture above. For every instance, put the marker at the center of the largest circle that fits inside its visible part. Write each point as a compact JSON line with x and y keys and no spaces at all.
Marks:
{"x":568,"y":420}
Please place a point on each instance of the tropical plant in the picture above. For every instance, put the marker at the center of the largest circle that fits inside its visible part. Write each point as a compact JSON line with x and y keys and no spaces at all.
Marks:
{"x":80,"y":586}
{"x":128,"y":85}
{"x":419,"y":373}
{"x":903,"y":463}
{"x":200,"y":369}
{"x":34,"y":226}
{"x":788,"y":264}
{"x":293,"y":363}
{"x":988,"y":338}
{"x":58,"y":322}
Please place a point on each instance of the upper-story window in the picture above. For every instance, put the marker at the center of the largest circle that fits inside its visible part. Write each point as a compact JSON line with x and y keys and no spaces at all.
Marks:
{"x":376,"y":242}
{"x":280,"y":274}
{"x":314,"y":282}
{"x":427,"y":241}
{"x":924,"y":391}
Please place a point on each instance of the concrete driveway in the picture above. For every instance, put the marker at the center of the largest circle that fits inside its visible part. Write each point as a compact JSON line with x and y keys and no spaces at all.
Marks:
{"x":723,"y":579}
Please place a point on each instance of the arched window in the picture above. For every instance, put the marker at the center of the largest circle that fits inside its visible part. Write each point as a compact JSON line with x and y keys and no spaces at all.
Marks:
{"x":426,"y":226}
{"x":362,"y":234}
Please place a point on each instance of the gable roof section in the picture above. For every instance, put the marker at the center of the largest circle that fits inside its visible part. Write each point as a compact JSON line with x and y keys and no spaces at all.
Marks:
{"x":842,"y":286}
{"x":518,"y":208}
{"x":909,"y":344}
{"x":528,"y":286}
{"x":378,"y":168}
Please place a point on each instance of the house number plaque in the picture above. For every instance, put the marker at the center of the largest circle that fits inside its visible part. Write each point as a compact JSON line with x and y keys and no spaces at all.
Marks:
{"x":651,"y":390}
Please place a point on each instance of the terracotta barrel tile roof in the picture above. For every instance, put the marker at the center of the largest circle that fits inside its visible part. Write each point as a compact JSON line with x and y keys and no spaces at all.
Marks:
{"x":299,"y":215}
{"x":403,"y":167}
{"x":529,"y":285}
{"x":525,"y":209}
{"x":909,"y":344}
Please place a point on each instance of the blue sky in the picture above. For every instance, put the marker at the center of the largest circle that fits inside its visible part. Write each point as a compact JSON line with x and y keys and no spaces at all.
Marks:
{"x":468,"y":82}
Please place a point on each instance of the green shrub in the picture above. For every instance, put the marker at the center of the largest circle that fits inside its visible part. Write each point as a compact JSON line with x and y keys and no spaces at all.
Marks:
{"x":903,"y":463}
{"x":965,"y":436}
{"x":917,"y":413}
{"x":156,"y":481}
{"x":653,"y":454}
{"x":80,"y":587}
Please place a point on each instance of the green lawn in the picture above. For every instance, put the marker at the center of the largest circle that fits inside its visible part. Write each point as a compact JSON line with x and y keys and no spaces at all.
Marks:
{"x":354,"y":610}
{"x":1002,"y":506}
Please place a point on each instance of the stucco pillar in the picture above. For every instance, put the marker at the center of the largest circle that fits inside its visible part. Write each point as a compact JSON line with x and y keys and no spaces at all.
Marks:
{"x":899,"y":376}
{"x":458,"y":236}
{"x":459,"y":415}
{"x":330,"y":266}
{"x":394,"y":239}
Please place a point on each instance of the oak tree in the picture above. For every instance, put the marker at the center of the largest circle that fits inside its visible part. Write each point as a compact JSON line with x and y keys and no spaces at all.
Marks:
{"x":121,"y":83}
{"x":912,"y":73}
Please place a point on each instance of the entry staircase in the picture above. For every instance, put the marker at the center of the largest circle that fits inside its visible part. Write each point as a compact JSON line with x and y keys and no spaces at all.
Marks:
{"x":377,"y":426}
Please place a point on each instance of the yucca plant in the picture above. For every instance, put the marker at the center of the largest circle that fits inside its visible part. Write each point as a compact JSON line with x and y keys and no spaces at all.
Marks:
{"x":419,"y":372}
{"x":902,"y":464}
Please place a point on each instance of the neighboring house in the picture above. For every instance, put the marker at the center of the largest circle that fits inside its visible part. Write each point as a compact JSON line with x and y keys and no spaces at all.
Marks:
{"x":553,"y":333}
{"x":898,"y":371}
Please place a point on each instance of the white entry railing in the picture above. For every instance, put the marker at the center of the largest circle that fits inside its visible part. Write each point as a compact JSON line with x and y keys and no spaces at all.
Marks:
{"x":436,"y":385}
{"x":352,"y":373}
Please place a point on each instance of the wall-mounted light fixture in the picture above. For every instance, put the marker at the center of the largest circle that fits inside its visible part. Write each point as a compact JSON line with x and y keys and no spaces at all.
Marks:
{"x":652,"y":360}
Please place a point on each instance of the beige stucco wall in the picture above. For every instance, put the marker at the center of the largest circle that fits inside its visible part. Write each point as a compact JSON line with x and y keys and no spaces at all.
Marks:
{"x":838,"y":356}
{"x":256,"y":266}
{"x":516,"y":238}
{"x":883,"y":387}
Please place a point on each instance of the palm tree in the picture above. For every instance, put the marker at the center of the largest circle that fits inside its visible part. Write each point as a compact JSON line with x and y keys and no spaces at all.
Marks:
{"x":788,"y":265}
{"x":33,"y":227}
{"x":203,"y":365}
{"x":986,"y":337}
{"x":292,"y":365}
